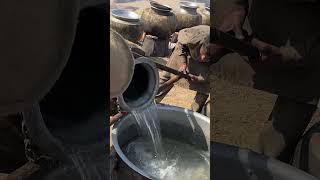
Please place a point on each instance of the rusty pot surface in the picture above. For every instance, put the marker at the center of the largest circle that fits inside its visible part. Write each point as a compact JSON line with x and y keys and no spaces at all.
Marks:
{"x":205,"y":14}
{"x":121,"y":64}
{"x":187,"y":15}
{"x":158,"y":22}
{"x":127,"y":23}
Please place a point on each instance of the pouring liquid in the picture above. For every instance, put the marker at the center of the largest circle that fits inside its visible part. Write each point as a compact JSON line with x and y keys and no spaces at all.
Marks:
{"x":181,"y":162}
{"x":165,"y":159}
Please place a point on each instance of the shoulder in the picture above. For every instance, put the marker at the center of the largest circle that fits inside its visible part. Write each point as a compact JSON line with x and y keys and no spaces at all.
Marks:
{"x":196,"y":33}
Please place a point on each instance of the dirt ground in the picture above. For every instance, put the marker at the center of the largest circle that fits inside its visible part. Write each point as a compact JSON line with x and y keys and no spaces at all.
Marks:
{"x":239,"y":113}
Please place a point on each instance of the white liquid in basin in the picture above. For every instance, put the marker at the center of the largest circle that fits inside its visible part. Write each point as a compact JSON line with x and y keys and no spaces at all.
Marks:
{"x":180,"y":162}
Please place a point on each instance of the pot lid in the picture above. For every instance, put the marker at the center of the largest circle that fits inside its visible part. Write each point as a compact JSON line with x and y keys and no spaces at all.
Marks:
{"x":187,"y":4}
{"x":160,"y":7}
{"x":36,"y":41}
{"x":125,"y":15}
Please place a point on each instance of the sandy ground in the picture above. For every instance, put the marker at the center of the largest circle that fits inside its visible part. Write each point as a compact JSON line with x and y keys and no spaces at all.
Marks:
{"x":239,"y":113}
{"x":179,"y":97}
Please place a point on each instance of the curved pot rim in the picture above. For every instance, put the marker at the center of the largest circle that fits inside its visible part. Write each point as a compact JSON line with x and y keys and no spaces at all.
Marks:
{"x":146,"y":62}
{"x":125,"y":15}
{"x":160,"y":7}
{"x":190,"y":5}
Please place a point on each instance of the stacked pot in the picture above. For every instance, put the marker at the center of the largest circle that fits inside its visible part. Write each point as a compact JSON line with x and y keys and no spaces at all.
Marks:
{"x":187,"y":15}
{"x":205,"y":14}
{"x":127,"y":23}
{"x":159,"y":24}
{"x":159,"y":21}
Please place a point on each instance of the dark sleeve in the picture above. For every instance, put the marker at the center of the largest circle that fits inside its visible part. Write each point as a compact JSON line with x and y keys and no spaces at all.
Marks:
{"x":302,"y":53}
{"x":183,"y":50}
{"x":244,"y":3}
{"x":310,"y":49}
{"x":241,"y":4}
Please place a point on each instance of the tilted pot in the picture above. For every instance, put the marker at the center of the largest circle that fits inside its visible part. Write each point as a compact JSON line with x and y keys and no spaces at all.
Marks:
{"x":65,"y":128}
{"x":127,"y":23}
{"x":143,"y":87}
{"x":121,"y":64}
{"x":187,"y":15}
{"x":159,"y":22}
{"x":205,"y":14}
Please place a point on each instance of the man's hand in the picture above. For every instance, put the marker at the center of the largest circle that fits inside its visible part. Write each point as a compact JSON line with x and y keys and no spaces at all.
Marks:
{"x":173,"y":79}
{"x":194,"y":78}
{"x":234,"y":21}
{"x":267,"y":51}
{"x":271,"y":53}
{"x":183,"y":68}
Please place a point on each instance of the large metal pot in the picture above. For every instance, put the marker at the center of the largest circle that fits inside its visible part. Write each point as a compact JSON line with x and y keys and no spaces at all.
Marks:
{"x":230,"y":162}
{"x":159,"y":21}
{"x":92,"y":165}
{"x":205,"y":14}
{"x":307,"y":153}
{"x":177,"y":123}
{"x":88,"y":154}
{"x":127,"y":23}
{"x":187,"y":15}
{"x":121,"y":64}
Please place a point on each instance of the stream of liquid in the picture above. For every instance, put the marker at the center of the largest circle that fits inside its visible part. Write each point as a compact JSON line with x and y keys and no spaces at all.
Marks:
{"x":164,"y":159}
{"x":149,"y":126}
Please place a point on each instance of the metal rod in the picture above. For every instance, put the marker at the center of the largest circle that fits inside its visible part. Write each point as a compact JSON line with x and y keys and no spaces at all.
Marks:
{"x":173,"y":71}
{"x":239,"y":46}
{"x":167,"y":69}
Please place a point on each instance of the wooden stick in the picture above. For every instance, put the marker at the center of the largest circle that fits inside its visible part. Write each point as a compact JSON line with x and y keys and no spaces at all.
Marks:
{"x":167,"y":69}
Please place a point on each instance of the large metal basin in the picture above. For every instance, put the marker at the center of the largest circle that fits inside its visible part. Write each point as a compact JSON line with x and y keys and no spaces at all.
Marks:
{"x":176,"y":123}
{"x":230,"y":162}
